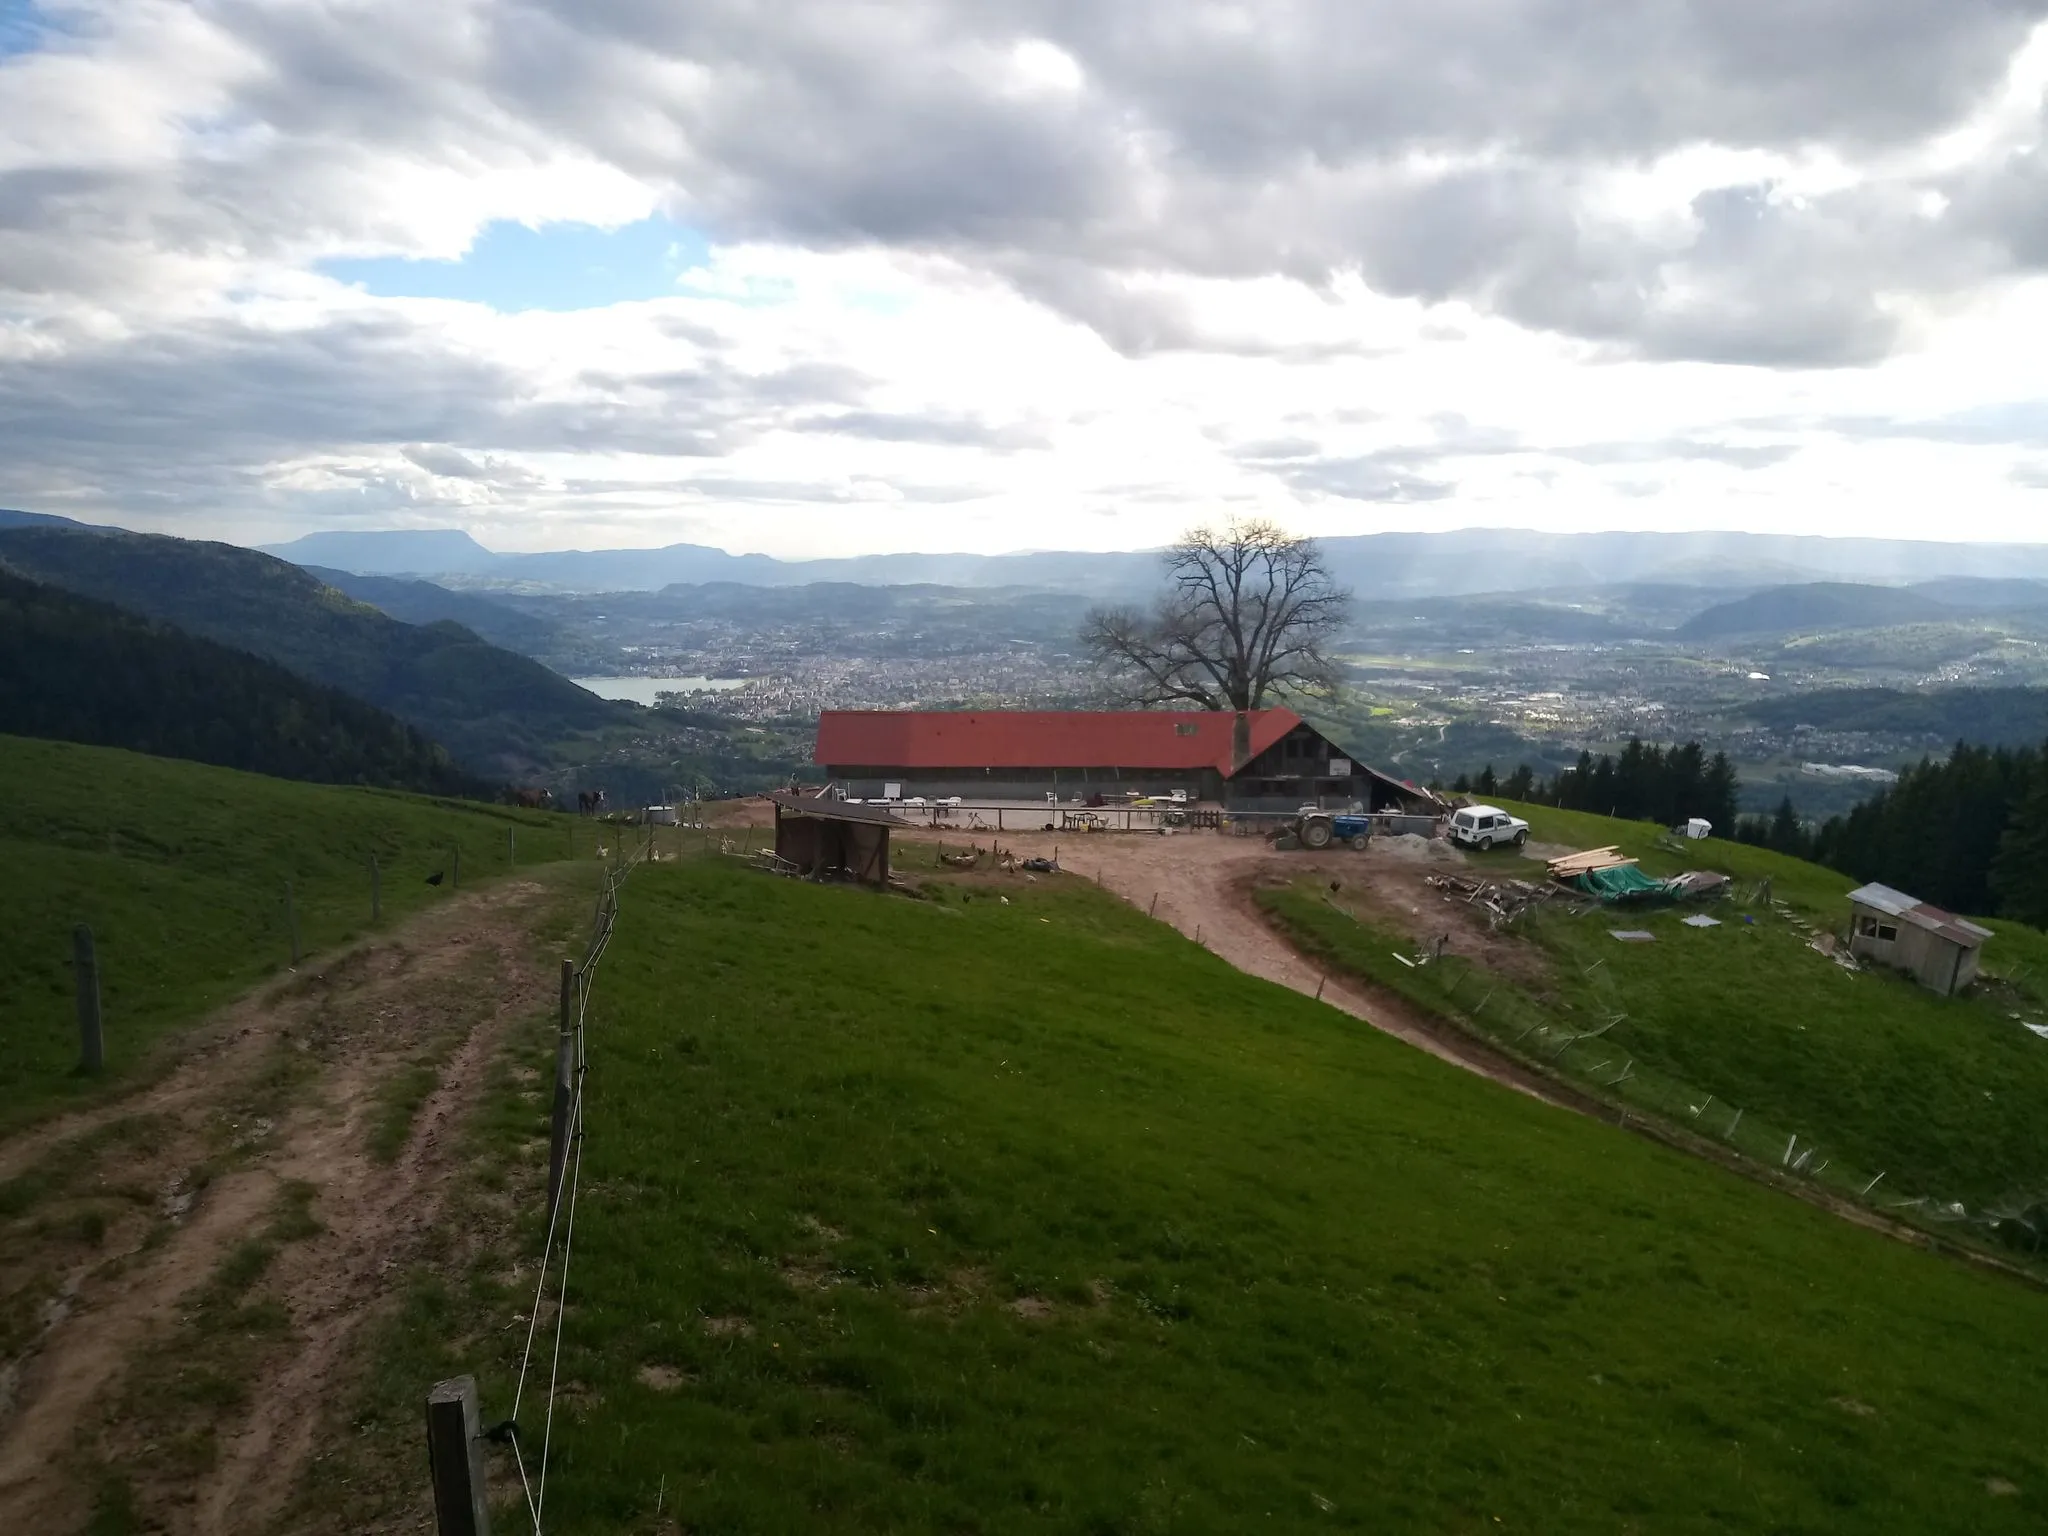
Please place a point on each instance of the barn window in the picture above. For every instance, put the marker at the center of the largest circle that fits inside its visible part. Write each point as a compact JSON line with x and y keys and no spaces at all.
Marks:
{"x":1870,"y":928}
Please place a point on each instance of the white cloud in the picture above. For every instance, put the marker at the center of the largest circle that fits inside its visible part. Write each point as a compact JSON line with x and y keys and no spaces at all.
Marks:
{"x":1035,"y":274}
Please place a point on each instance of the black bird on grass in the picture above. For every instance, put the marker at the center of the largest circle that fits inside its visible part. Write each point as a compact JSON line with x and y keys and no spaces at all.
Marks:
{"x":434,"y":878}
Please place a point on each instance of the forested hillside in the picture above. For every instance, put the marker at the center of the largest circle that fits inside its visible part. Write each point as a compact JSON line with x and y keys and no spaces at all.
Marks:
{"x":1969,"y":832}
{"x":422,"y":602}
{"x":1993,"y":716}
{"x":1647,"y":782}
{"x":496,"y":711}
{"x":86,"y":671}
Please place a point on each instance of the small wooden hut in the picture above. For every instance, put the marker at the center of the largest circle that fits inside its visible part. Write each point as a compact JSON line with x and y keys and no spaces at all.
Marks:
{"x":829,"y":837}
{"x":1937,"y":947}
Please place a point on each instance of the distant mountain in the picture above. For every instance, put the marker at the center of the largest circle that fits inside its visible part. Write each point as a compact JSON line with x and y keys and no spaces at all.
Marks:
{"x":1983,"y":594}
{"x":495,"y":710}
{"x":1817,"y":605}
{"x":422,"y":602}
{"x":391,"y":552}
{"x":86,"y":671}
{"x":1485,"y":619}
{"x":1457,"y":562}
{"x":11,"y":519}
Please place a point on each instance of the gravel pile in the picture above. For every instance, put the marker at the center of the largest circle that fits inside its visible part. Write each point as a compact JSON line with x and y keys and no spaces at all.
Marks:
{"x":1412,"y":848}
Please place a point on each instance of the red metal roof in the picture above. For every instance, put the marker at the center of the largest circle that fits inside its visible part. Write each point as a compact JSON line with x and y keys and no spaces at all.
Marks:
{"x":1139,"y":738}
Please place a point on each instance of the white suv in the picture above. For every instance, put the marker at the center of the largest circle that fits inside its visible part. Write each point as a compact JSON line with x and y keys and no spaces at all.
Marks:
{"x":1483,"y":826}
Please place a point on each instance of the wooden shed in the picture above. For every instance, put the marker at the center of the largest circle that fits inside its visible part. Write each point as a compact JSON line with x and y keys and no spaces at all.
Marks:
{"x":830,"y":837}
{"x":1938,"y":948}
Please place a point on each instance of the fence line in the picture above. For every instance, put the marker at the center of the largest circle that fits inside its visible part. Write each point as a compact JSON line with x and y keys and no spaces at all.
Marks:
{"x":1529,"y":1030}
{"x":458,"y":1491}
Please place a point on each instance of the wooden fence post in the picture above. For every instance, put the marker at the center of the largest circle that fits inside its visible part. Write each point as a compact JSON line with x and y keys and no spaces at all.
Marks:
{"x":565,"y":1065}
{"x":376,"y":891}
{"x":291,"y":921}
{"x":455,"y":1455}
{"x":512,"y":847}
{"x":455,"y":872}
{"x":85,"y":967}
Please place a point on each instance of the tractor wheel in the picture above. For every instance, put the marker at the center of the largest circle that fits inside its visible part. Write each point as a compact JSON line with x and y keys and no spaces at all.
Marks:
{"x":1316,"y":834}
{"x":1358,"y":842}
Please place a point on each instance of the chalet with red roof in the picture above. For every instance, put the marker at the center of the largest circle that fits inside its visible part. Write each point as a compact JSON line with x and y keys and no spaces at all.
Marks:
{"x":1277,"y":762}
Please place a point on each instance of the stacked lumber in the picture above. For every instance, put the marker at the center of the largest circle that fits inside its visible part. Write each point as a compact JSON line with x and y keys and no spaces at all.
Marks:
{"x":1565,"y":866}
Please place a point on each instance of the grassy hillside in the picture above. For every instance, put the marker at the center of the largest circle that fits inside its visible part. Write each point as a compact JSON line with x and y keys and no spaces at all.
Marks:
{"x":1030,"y":1215}
{"x":85,"y":671}
{"x":180,"y":869}
{"x":1942,"y":1096}
{"x":496,"y":711}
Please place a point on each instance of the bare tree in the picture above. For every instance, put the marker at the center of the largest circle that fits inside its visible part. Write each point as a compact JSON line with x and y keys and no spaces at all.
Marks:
{"x":1247,"y":615}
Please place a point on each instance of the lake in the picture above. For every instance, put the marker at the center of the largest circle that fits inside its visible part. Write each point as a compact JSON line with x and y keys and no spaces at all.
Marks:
{"x":641,"y":690}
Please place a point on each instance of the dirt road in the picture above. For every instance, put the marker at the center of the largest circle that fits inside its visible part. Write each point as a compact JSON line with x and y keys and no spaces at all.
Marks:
{"x":186,"y":1267}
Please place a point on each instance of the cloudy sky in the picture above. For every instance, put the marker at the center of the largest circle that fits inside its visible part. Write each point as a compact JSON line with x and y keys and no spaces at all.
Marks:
{"x":837,"y":277}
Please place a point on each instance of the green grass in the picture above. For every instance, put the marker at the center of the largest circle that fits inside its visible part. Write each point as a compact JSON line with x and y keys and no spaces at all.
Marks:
{"x":180,"y":870}
{"x":968,"y":1216}
{"x":1941,"y":1096}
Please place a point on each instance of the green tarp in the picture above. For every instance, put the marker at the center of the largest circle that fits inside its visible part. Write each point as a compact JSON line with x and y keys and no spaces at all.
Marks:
{"x":1622,"y":883}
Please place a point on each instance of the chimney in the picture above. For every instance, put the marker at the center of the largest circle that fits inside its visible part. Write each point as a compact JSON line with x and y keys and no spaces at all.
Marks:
{"x":1240,"y":741}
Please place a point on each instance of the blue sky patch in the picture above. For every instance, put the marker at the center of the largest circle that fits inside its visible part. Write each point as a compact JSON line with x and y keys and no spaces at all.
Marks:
{"x":512,"y":267}
{"x":23,"y":27}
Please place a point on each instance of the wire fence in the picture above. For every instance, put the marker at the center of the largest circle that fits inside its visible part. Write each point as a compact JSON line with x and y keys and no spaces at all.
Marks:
{"x":1587,"y":1044}
{"x":458,"y":1479}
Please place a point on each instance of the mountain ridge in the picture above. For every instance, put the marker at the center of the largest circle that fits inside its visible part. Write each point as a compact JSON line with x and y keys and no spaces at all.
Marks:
{"x":89,"y":672}
{"x":1457,"y":562}
{"x":495,"y":710}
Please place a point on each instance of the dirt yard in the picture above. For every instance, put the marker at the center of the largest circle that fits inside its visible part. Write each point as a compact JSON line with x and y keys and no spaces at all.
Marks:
{"x":185,"y":1268}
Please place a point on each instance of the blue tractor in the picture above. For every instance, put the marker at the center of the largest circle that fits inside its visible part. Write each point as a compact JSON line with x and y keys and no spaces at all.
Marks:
{"x":1319,"y":829}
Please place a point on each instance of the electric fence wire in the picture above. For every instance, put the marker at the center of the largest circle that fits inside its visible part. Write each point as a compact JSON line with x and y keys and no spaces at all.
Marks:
{"x":561,"y":1310}
{"x":535,"y":1488}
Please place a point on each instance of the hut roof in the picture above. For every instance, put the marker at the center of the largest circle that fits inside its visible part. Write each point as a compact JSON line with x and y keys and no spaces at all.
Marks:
{"x":835,"y":810}
{"x":1883,"y":898}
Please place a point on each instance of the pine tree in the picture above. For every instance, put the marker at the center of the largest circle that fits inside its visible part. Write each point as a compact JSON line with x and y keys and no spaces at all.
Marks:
{"x":1601,"y":796}
{"x":1787,"y":835}
{"x":1684,"y":785}
{"x":1521,"y":784}
{"x":1719,"y":794}
{"x":1634,"y":780}
{"x":2019,"y":874}
{"x":1487,"y":784}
